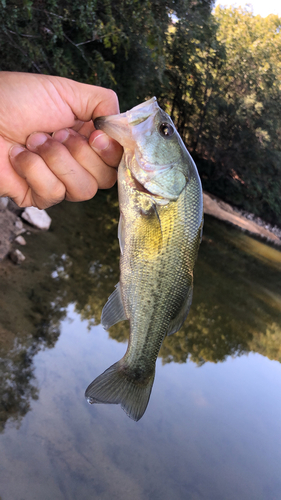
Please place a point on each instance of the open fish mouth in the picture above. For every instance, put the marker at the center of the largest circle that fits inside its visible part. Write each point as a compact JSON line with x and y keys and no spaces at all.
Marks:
{"x":119,"y":127}
{"x":140,"y":187}
{"x":136,"y":185}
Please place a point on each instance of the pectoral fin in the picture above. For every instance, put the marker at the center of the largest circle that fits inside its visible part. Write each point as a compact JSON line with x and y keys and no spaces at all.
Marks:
{"x":113,"y":311}
{"x":178,"y":321}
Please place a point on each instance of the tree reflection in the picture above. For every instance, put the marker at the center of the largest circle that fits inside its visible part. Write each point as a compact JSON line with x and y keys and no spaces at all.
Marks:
{"x":236,"y":306}
{"x":17,"y":384}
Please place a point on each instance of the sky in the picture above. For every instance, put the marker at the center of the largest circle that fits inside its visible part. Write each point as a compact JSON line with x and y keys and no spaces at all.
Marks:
{"x":261,"y":7}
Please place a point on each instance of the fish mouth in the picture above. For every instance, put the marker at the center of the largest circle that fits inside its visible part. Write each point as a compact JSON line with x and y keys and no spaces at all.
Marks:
{"x":140,"y":187}
{"x":137,"y":186}
{"x":120,"y":127}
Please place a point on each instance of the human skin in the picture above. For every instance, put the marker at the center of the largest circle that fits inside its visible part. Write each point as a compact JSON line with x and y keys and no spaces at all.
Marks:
{"x":49,"y":148}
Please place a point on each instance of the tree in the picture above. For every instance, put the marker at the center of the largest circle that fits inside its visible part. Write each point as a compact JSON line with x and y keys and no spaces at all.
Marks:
{"x":222,"y":88}
{"x":119,"y":44}
{"x":249,"y":121}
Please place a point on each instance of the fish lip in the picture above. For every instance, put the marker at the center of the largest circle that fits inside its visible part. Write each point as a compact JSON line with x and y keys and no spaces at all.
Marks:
{"x":98,"y":122}
{"x":120,"y":126}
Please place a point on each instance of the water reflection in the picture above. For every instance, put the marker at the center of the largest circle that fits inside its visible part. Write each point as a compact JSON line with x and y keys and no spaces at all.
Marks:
{"x":236,"y":306}
{"x":17,"y":384}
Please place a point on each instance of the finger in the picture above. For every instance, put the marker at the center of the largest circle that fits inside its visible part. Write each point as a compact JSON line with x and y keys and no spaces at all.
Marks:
{"x":10,"y":182}
{"x":86,"y":128}
{"x":79,"y":183}
{"x":83,"y":153}
{"x":43,"y":188}
{"x":107,"y":148}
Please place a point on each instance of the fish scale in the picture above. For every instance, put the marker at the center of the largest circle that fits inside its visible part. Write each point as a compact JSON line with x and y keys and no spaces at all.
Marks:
{"x":161,"y":220}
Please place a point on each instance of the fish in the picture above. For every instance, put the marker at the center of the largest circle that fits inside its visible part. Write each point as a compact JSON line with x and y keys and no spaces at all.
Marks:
{"x":159,"y":231}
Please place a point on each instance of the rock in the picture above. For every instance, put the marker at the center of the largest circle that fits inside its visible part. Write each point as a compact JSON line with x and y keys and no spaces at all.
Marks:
{"x":7,"y":231}
{"x":14,"y":208}
{"x":19,"y":229}
{"x":20,"y":240}
{"x":37,"y":218}
{"x":17,"y":256}
{"x":3,"y":202}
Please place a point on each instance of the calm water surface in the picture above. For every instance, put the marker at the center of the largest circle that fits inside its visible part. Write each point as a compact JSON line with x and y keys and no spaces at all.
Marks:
{"x":212,"y":429}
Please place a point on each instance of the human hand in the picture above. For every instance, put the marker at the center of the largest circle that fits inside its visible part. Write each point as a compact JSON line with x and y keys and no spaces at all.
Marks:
{"x":40,"y":169}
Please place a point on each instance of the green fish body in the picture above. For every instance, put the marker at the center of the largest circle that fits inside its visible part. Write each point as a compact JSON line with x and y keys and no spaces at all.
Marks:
{"x":160,"y":229}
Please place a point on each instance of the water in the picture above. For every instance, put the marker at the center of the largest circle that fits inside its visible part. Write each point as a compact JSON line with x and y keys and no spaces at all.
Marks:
{"x":212,"y":429}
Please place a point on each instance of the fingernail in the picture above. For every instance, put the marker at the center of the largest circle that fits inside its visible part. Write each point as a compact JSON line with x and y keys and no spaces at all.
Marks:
{"x":61,"y":135}
{"x":100,"y":143}
{"x":36,"y":140}
{"x":16,"y":150}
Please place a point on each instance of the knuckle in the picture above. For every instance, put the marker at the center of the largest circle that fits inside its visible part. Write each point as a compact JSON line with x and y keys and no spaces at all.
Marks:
{"x":108,"y":180}
{"x":83,"y":194}
{"x":21,"y":203}
{"x":41,"y":204}
{"x":111,"y":182}
{"x":89,"y":191}
{"x":58,"y":192}
{"x":112,"y":95}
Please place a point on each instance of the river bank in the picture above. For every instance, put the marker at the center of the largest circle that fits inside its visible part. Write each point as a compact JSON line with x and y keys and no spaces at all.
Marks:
{"x":12,"y":225}
{"x":244,"y":220}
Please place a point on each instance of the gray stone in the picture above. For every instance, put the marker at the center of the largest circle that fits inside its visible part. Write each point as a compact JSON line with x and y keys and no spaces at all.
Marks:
{"x":19,"y":229}
{"x":20,"y":240}
{"x":17,"y":256}
{"x":37,"y":218}
{"x":7,"y":231}
{"x":3,"y":202}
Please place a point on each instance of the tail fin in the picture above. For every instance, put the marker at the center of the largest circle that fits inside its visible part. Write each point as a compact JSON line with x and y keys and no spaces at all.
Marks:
{"x":115,"y":387}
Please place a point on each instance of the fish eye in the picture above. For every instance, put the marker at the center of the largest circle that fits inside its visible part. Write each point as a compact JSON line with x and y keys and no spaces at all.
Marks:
{"x":166,"y":130}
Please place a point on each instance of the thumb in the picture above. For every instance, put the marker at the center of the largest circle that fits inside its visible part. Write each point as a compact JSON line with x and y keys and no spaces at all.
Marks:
{"x":87,"y":101}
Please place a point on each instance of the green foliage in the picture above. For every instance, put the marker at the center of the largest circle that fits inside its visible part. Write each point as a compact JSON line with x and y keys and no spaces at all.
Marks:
{"x":223,"y":90}
{"x":117,"y":44}
{"x":62,"y":38}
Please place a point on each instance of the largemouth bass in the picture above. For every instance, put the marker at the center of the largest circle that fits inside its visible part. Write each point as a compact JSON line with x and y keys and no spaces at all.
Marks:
{"x":160,"y":229}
